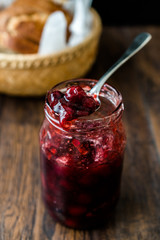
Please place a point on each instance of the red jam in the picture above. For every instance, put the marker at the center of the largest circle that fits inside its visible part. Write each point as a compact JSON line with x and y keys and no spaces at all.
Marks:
{"x":81,"y":165}
{"x":71,"y":105}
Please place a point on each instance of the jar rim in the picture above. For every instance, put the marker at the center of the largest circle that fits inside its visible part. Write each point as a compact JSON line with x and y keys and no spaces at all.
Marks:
{"x":79,"y":124}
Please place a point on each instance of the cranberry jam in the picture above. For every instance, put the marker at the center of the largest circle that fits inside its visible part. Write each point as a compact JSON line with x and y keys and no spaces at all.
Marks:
{"x":82,"y":152}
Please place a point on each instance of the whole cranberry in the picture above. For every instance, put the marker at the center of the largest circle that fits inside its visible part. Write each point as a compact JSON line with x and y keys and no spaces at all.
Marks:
{"x":89,"y":103}
{"x":66,"y":114}
{"x":74,"y":94}
{"x":53,"y":97}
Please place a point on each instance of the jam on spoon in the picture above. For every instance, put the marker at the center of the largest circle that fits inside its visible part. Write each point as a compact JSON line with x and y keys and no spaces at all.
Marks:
{"x":71,"y":105}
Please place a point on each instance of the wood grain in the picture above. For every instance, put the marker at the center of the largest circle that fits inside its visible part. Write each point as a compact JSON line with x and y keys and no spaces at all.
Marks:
{"x":137,"y":215}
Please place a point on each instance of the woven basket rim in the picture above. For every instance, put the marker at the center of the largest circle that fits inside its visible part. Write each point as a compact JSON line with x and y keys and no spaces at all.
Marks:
{"x":15,"y":61}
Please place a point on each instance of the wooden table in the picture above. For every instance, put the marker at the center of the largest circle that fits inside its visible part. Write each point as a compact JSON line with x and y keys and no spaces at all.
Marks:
{"x":137,"y":215}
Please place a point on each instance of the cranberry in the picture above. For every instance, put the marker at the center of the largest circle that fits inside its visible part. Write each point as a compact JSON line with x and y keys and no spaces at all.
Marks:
{"x":53,"y":97}
{"x":74,"y":94}
{"x":89,"y":103}
{"x":49,"y":150}
{"x":76,"y":143}
{"x":66,"y":114}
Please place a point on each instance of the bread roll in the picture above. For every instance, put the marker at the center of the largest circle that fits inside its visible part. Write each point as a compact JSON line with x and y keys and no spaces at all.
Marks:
{"x":22,"y":23}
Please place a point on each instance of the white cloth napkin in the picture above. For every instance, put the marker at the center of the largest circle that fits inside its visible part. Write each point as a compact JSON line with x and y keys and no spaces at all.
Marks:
{"x":53,"y":37}
{"x":81,"y":24}
{"x":54,"y":33}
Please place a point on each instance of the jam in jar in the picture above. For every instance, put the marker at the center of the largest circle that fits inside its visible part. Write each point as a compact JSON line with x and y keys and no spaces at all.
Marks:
{"x":82,"y":151}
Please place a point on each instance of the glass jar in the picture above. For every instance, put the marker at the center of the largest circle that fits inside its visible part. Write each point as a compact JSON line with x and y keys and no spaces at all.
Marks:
{"x":81,"y":167}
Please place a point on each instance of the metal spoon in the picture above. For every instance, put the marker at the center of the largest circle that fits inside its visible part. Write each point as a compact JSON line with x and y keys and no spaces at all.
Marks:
{"x":139,"y":41}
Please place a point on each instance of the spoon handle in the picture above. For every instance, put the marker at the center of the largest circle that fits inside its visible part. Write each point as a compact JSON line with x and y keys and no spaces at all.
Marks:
{"x":140,"y":41}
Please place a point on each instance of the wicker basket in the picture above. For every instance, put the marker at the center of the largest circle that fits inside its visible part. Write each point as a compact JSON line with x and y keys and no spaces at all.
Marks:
{"x":33,"y":75}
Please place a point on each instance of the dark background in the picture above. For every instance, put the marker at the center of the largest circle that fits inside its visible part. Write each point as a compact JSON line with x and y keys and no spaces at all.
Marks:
{"x":128,"y":12}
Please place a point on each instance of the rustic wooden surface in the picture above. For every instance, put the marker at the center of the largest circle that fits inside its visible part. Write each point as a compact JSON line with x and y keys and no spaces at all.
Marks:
{"x":137,"y":215}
